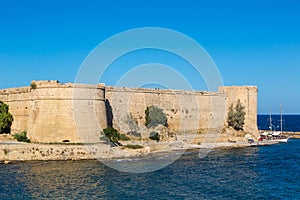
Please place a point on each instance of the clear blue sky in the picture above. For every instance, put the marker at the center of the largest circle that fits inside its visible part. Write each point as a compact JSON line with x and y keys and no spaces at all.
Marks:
{"x":252,"y":42}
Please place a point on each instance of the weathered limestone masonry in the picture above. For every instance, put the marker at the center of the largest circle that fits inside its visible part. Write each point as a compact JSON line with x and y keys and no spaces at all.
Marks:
{"x":20,"y":105}
{"x":54,"y":112}
{"x":186,"y":111}
{"x":248,"y":97}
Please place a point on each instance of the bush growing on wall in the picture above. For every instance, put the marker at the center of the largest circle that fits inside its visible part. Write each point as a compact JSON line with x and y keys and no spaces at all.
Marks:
{"x":155,"y":116}
{"x":236,"y":116}
{"x":33,"y":86}
{"x":112,"y":134}
{"x":6,"y":118}
{"x":154,"y":136}
{"x":21,"y":137}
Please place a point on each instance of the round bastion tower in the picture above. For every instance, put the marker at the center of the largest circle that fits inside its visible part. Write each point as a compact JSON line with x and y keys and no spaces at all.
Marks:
{"x":66,"y":112}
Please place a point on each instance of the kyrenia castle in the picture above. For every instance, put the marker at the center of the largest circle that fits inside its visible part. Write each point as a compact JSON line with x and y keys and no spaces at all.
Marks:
{"x":54,"y":112}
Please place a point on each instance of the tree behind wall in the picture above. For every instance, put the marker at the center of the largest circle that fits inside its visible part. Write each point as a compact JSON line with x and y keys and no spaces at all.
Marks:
{"x":6,"y":118}
{"x":236,"y":116}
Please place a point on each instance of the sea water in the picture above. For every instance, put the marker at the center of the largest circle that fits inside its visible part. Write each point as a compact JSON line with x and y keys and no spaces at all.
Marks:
{"x":265,"y":172}
{"x":289,"y":122}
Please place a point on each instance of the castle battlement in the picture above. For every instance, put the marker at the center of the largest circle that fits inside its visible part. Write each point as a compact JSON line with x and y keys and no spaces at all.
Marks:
{"x":53,"y":112}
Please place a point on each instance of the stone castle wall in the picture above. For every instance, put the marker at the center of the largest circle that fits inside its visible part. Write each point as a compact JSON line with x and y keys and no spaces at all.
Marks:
{"x":186,"y":111}
{"x":20,"y":103}
{"x":55,"y":112}
{"x":248,"y":98}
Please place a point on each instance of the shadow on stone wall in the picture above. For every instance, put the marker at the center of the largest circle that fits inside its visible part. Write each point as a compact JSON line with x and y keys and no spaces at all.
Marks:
{"x":109,"y":113}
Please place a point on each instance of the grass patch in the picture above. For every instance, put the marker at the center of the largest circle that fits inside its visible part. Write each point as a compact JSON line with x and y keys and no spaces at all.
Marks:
{"x":124,"y":137}
{"x":64,"y":143}
{"x":133,"y":146}
{"x":104,"y":138}
{"x":59,"y":143}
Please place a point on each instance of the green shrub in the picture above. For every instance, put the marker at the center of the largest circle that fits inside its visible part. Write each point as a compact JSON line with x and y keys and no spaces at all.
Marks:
{"x":112,"y":134}
{"x":155,"y":116}
{"x":6,"y":118}
{"x":124,"y":137}
{"x":154,"y":136}
{"x":236,"y":116}
{"x":21,"y":137}
{"x":133,"y":146}
{"x":33,"y":85}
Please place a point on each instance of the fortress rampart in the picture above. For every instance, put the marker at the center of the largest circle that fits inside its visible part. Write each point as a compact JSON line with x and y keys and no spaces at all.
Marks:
{"x":47,"y":112}
{"x":248,"y":97}
{"x":54,"y":112}
{"x":186,"y":111}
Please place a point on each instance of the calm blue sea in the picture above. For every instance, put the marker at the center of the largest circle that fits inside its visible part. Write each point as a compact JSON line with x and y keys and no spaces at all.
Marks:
{"x":265,"y":172}
{"x":290,"y":122}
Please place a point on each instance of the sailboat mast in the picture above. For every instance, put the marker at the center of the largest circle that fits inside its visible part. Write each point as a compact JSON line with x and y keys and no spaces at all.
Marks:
{"x":280,"y":118}
{"x":270,"y":120}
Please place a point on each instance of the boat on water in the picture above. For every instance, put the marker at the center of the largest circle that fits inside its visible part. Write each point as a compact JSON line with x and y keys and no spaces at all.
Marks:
{"x":273,"y":135}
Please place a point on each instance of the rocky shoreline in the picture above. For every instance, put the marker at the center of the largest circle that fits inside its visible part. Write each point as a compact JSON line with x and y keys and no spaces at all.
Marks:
{"x":11,"y":151}
{"x":28,"y":151}
{"x":295,"y":135}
